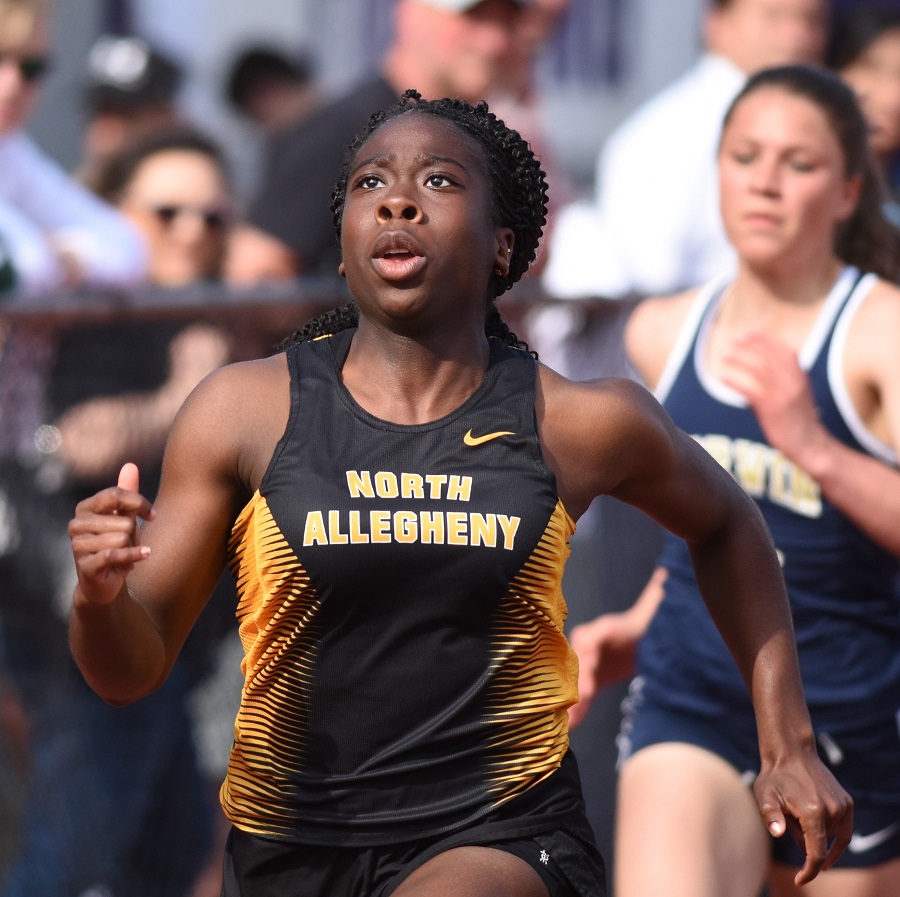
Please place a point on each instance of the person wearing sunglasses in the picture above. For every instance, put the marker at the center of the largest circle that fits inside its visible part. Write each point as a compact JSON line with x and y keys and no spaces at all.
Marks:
{"x":114,"y":389}
{"x":173,"y":186}
{"x":56,"y":231}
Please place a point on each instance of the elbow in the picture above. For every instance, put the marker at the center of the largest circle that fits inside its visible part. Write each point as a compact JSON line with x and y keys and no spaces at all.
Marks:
{"x":118,"y":701}
{"x":118,"y":686}
{"x":739,"y":521}
{"x":120,"y":694}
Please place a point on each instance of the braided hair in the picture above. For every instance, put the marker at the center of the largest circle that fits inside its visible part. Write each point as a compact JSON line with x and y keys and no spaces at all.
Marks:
{"x":518,"y":190}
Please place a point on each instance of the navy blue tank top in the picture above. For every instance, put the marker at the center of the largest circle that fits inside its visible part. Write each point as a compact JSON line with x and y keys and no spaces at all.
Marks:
{"x":840,"y":583}
{"x":402,"y":617}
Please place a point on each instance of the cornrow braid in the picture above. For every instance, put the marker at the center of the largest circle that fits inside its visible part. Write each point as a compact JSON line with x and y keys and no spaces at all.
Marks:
{"x":347,"y":316}
{"x":342,"y":318}
{"x":518,"y":200}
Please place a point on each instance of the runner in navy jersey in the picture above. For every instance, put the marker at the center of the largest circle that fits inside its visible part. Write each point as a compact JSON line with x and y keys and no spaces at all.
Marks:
{"x":789,"y":376}
{"x":395,"y":492}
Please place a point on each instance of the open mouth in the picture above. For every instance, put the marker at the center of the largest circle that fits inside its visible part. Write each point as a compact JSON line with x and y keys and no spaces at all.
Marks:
{"x":399,"y":266}
{"x":397,"y":256}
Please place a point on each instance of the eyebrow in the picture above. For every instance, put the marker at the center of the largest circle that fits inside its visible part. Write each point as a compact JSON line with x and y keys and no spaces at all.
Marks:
{"x":384,"y":159}
{"x":755,"y":142}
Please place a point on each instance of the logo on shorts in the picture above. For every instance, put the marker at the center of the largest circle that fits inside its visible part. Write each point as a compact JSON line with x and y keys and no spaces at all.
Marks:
{"x":864,"y":843}
{"x":831,"y":748}
{"x":544,"y":857}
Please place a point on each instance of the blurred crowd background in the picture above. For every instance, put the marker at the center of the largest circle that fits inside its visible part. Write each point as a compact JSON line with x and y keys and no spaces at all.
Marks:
{"x":602,"y":59}
{"x":164,"y":129}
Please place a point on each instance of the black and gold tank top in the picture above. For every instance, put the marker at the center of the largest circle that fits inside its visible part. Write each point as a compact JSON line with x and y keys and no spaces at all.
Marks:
{"x":401,"y":614}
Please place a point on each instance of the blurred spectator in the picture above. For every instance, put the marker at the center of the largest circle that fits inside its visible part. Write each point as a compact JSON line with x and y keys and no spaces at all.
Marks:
{"x":55,"y":232}
{"x":112,"y":805}
{"x":272,"y":90}
{"x":439,"y":47}
{"x":654,"y":225}
{"x":788,"y":363}
{"x":515,"y":97}
{"x":536,"y":23}
{"x":130,"y":90}
{"x":174,"y":187}
{"x":865,"y":50}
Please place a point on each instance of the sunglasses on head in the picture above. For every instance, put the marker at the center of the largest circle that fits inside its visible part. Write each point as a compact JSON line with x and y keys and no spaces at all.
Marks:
{"x":213,"y":219}
{"x":31,"y":68}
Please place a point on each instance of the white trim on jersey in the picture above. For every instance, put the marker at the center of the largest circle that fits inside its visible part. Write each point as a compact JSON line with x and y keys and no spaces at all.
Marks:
{"x":685,"y":338}
{"x":836,"y":381}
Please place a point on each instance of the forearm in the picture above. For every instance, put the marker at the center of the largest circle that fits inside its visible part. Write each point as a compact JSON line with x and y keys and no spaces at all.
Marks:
{"x":742,"y":585}
{"x":644,"y":608}
{"x":862,"y":487}
{"x":117,"y":647}
{"x":100,"y":434}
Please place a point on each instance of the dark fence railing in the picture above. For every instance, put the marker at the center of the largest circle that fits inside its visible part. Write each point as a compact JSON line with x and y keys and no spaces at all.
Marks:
{"x":122,"y":801}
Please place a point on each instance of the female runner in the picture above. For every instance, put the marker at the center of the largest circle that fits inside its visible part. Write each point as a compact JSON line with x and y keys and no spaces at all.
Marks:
{"x":395,"y":493}
{"x":789,"y":376}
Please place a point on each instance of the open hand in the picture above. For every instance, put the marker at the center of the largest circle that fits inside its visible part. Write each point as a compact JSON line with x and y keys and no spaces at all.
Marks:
{"x":606,"y":646}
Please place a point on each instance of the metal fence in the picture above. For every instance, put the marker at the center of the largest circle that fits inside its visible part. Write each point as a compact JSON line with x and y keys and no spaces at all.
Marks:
{"x":100,"y":802}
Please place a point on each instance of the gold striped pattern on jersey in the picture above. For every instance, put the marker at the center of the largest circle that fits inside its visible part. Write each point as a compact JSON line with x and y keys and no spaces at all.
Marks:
{"x":277,"y":609}
{"x":533,"y":669}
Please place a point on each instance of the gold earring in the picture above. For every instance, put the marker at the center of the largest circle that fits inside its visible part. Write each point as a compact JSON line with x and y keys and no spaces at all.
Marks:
{"x":499,"y":271}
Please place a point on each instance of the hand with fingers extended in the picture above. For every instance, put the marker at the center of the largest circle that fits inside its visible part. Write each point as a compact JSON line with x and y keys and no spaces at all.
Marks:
{"x":802,"y":797}
{"x":106,"y":538}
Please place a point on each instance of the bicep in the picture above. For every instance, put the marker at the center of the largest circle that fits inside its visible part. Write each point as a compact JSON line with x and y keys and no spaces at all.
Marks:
{"x":670,"y":477}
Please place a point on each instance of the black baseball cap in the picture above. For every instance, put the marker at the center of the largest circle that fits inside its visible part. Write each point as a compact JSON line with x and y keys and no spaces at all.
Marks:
{"x":125,"y":73}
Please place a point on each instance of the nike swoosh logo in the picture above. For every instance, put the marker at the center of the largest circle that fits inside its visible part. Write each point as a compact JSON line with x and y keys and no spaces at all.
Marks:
{"x":469,"y":439}
{"x":862,"y":843}
{"x":829,"y":745}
